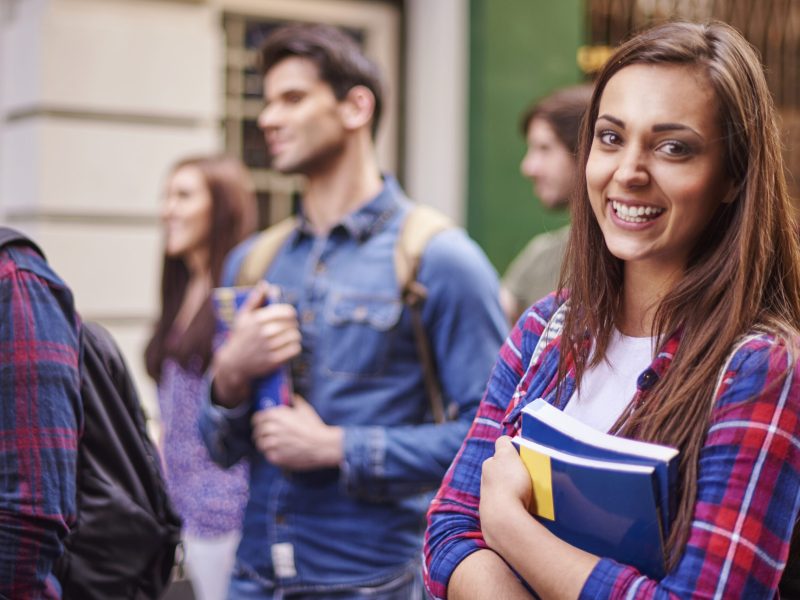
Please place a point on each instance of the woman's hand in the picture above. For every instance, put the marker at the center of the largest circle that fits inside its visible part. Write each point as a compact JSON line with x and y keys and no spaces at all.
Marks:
{"x":505,"y":493}
{"x":552,"y":567}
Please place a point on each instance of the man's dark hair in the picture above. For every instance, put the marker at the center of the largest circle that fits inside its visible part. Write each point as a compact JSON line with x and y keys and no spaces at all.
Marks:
{"x":563,"y":110}
{"x":339,"y":60}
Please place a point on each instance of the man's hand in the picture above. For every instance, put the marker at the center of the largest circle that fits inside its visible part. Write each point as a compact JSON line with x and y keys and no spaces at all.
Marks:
{"x":295,"y":438}
{"x":261,"y":339}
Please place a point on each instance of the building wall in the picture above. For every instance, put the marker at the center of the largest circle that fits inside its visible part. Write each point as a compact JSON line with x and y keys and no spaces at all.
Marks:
{"x":97,"y":98}
{"x":437,"y":83}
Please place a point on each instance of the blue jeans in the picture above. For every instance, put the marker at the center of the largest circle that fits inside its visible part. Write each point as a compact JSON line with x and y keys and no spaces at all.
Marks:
{"x":406,"y":586}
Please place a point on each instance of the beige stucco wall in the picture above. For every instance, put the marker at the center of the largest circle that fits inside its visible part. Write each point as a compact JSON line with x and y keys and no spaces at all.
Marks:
{"x":98,"y":97}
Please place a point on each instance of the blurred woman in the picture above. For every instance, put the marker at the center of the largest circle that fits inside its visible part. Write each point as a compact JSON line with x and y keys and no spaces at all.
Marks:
{"x":209,"y":207}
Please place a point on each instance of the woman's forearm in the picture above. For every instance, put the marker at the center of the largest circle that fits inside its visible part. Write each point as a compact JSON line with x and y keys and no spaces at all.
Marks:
{"x":554,"y":568}
{"x":484,"y":576}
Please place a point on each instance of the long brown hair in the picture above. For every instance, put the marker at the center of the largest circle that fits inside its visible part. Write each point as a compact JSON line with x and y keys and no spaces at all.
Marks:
{"x":233,"y":217}
{"x":743,"y":273}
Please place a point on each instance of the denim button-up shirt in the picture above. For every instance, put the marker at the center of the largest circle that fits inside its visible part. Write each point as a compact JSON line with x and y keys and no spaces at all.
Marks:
{"x":362,"y":523}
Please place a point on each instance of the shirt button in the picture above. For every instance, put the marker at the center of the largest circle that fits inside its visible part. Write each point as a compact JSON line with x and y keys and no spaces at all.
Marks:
{"x":321,"y":268}
{"x":280,"y":519}
{"x":647,"y":379}
{"x":308,"y":316}
{"x":360,"y":313}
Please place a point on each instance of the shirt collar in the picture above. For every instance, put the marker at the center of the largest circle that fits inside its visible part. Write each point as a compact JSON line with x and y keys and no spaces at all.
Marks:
{"x":369,"y":218}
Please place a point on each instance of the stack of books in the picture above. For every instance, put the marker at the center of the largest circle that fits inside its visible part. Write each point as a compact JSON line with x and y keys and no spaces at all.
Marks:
{"x":610,"y":496}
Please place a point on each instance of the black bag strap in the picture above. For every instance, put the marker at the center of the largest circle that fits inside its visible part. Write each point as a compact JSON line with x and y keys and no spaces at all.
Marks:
{"x":9,"y":237}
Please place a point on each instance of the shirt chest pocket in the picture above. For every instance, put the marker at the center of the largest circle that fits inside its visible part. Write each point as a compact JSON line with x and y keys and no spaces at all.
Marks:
{"x":360,"y":331}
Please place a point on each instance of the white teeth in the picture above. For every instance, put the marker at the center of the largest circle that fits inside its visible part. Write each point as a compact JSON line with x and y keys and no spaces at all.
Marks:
{"x":635,"y":214}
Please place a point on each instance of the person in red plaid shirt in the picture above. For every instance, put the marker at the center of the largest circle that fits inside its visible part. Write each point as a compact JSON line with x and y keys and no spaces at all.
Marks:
{"x":40,"y":417}
{"x":676,"y":324}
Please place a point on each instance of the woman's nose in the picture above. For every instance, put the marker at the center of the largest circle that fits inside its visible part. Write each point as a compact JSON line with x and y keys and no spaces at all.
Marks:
{"x":167,"y":208}
{"x":632,"y":168}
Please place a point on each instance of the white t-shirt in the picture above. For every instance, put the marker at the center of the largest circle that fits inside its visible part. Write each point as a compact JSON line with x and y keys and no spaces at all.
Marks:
{"x":607,"y":388}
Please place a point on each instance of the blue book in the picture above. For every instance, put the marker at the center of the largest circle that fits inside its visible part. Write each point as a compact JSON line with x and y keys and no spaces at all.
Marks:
{"x":608,"y":508}
{"x":268,"y":391}
{"x":545,"y":424}
{"x":608,"y":495}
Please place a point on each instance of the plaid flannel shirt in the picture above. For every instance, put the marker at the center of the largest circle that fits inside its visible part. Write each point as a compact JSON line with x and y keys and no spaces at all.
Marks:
{"x":40,"y":420}
{"x":748,"y":495}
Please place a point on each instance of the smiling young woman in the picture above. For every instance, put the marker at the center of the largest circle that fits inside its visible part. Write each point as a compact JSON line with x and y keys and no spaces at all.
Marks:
{"x":682,"y":235}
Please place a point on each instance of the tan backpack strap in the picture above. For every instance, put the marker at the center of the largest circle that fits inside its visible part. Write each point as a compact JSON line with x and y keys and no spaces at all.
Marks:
{"x":263,"y":251}
{"x":420,"y":225}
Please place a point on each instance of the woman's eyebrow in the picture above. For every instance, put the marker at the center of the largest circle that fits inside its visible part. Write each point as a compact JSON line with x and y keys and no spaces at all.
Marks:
{"x":656,"y":128}
{"x":618,"y":122}
{"x":673,"y":127}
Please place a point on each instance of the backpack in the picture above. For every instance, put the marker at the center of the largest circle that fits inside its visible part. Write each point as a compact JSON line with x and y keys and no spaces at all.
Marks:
{"x":420,"y":225}
{"x":124,"y":542}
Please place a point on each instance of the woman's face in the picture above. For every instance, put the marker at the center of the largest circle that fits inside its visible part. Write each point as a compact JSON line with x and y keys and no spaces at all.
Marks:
{"x":186,"y":213}
{"x":548,"y":164}
{"x":655,"y":173}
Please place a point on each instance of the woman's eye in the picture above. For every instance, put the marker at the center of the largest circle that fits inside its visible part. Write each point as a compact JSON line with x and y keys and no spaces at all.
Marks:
{"x":675,"y":148}
{"x":609,"y":138}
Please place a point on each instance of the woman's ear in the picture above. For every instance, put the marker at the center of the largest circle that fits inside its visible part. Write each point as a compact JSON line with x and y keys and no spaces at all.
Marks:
{"x":358,"y":107}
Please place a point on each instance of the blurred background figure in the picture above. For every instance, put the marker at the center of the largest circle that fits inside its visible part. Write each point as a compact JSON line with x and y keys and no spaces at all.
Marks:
{"x":209,"y":207}
{"x":551,"y":128}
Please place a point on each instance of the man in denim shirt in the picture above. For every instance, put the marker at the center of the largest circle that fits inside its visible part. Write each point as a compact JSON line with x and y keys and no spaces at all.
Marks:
{"x":341,"y":480}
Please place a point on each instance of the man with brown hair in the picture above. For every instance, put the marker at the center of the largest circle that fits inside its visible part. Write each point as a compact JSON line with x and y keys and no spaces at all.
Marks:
{"x":341,"y":480}
{"x":550,"y":127}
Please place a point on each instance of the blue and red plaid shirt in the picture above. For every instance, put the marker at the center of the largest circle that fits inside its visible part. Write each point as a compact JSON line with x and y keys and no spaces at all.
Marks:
{"x":40,"y":420}
{"x":748,"y":495}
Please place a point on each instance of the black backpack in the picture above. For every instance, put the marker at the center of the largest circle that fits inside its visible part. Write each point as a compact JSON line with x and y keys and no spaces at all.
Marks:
{"x":124,"y":543}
